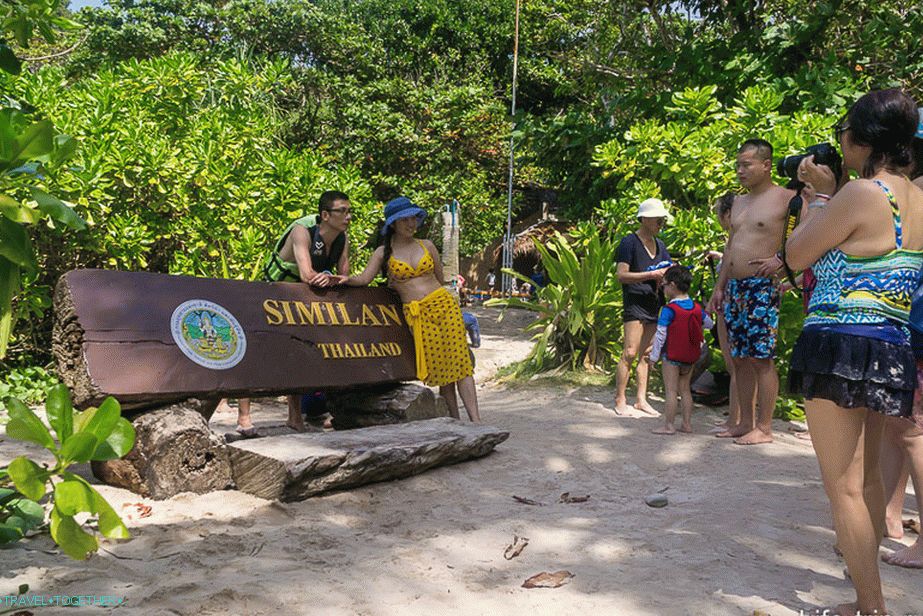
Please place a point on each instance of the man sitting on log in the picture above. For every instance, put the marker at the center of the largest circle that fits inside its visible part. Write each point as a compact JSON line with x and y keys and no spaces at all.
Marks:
{"x":309,"y":251}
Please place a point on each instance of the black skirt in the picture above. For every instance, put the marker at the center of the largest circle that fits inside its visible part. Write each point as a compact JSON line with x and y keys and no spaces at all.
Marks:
{"x":854,"y":372}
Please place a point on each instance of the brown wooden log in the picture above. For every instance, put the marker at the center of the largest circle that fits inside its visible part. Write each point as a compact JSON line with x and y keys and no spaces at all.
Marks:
{"x":154,"y":339}
{"x":175,"y":451}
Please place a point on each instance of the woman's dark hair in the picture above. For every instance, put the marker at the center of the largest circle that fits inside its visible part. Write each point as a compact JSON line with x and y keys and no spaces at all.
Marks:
{"x":680,"y":276}
{"x":386,"y":257}
{"x":886,"y":121}
{"x":724,"y":204}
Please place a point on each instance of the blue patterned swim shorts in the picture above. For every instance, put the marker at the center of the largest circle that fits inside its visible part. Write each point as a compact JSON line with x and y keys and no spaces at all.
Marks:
{"x":751,"y":311}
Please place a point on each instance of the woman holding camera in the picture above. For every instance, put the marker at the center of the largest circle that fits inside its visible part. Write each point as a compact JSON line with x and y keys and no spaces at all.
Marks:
{"x":853,"y":360}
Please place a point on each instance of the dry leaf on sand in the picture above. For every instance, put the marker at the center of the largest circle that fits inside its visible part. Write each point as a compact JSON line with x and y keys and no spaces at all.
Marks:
{"x":515,"y":549}
{"x":548,"y":580}
{"x":567,"y":498}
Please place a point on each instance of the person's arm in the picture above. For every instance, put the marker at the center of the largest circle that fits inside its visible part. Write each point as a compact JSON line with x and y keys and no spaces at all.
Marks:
{"x":301,"y":246}
{"x":660,"y":336}
{"x":437,"y":261}
{"x":628,"y":277}
{"x":826,"y":224}
{"x":717,"y":297}
{"x":370,"y":271}
{"x":342,"y":266}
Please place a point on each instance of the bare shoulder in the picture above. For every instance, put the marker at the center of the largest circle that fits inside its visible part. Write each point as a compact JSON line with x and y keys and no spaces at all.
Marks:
{"x":430,"y":246}
{"x":784,"y":194}
{"x":860,"y":190}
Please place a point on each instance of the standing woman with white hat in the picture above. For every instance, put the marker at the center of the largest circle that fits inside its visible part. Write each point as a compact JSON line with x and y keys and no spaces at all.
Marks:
{"x":641,"y":262}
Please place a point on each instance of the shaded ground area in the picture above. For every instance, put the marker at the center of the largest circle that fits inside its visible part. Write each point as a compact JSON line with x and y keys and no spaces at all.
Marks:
{"x":746,"y":528}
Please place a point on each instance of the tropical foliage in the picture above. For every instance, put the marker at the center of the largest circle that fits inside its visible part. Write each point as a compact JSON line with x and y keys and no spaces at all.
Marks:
{"x":205,"y":127}
{"x":96,"y":434}
{"x":578,"y":323}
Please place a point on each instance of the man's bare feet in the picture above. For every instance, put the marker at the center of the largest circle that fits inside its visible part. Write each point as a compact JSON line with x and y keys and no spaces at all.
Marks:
{"x":664,"y":430}
{"x":754,"y":437}
{"x":645,"y":407}
{"x":686,"y":428}
{"x":733,"y":432}
{"x":910,"y":557}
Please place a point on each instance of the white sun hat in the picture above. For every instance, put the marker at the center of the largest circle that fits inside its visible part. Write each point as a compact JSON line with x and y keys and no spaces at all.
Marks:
{"x":653,"y":208}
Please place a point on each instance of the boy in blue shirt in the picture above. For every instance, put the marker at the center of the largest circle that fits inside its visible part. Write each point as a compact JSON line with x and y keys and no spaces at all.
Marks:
{"x":678,"y":341}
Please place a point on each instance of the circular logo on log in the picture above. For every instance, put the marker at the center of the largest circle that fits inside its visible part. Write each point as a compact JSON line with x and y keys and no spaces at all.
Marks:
{"x":208,"y":334}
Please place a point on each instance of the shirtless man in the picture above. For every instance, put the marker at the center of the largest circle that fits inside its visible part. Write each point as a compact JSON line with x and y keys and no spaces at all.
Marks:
{"x":747,"y":293}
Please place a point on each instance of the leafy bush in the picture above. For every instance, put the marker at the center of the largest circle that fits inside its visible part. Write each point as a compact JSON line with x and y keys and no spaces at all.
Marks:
{"x":94,"y":434}
{"x":28,"y":384}
{"x":579,"y":322}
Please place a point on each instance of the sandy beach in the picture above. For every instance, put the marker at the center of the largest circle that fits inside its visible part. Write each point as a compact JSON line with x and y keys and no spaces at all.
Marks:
{"x":746,"y":531}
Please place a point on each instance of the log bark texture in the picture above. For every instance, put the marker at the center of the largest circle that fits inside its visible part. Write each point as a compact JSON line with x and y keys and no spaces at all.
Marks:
{"x":175,"y":451}
{"x":297,"y":466}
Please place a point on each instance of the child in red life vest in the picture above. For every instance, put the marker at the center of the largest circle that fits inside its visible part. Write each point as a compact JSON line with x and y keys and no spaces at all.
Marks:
{"x":678,"y":342}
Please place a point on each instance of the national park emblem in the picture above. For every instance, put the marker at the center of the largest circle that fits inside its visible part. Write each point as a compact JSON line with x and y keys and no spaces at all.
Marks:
{"x":208,"y":334}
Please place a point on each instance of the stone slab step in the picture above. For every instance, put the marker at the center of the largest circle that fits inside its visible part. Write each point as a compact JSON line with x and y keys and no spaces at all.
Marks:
{"x":296,"y":466}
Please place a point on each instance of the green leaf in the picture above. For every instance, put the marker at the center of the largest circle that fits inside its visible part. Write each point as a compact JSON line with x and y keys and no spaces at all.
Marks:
{"x":10,"y":532}
{"x":15,"y":245}
{"x":15,"y":211}
{"x":81,"y":418}
{"x":26,"y":426}
{"x":118,"y":443}
{"x":79,"y":447}
{"x":110,"y":524}
{"x":35,"y":142}
{"x":73,"y":497}
{"x":60,"y":411}
{"x":9,"y":285}
{"x":57,"y":209}
{"x":104,"y":419}
{"x":28,"y":477}
{"x":8,"y":60}
{"x":28,"y":513}
{"x":76,"y":543}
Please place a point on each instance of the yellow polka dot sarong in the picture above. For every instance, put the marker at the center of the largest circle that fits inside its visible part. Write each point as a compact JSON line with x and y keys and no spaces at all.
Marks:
{"x":439,"y":337}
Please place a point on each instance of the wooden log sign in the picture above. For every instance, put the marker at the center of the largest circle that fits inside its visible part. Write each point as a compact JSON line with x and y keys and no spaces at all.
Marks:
{"x":146,"y":338}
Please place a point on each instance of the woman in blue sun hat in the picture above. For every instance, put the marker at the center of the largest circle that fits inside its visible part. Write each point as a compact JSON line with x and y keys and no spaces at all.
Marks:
{"x":413,"y":268}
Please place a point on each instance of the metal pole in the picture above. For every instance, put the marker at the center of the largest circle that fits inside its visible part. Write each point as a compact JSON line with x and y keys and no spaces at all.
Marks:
{"x":507,"y":280}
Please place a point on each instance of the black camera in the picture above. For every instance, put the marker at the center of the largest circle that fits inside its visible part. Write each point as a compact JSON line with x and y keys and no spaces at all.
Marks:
{"x":824,"y":154}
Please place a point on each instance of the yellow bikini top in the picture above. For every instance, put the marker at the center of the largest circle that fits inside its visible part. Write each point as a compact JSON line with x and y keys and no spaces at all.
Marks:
{"x":401,"y":271}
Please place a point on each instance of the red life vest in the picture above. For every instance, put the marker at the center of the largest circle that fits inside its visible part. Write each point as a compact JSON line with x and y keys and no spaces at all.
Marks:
{"x":684,"y":334}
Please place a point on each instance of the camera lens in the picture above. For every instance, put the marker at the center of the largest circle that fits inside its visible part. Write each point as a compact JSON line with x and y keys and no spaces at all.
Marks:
{"x":788,"y":166}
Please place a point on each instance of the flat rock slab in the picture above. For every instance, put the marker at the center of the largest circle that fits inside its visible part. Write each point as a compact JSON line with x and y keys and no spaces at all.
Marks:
{"x":296,"y":466}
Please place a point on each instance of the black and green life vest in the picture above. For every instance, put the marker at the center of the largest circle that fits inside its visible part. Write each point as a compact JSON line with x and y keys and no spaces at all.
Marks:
{"x":277,"y":270}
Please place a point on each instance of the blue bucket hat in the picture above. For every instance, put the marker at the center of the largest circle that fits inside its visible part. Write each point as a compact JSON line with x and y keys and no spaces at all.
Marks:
{"x":402,"y":207}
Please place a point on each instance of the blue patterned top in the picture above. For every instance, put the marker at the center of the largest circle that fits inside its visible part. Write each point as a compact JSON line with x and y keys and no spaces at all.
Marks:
{"x":866,"y":290}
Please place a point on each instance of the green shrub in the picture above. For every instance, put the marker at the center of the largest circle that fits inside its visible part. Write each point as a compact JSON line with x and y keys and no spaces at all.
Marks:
{"x":95,"y":434}
{"x":579,"y":308}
